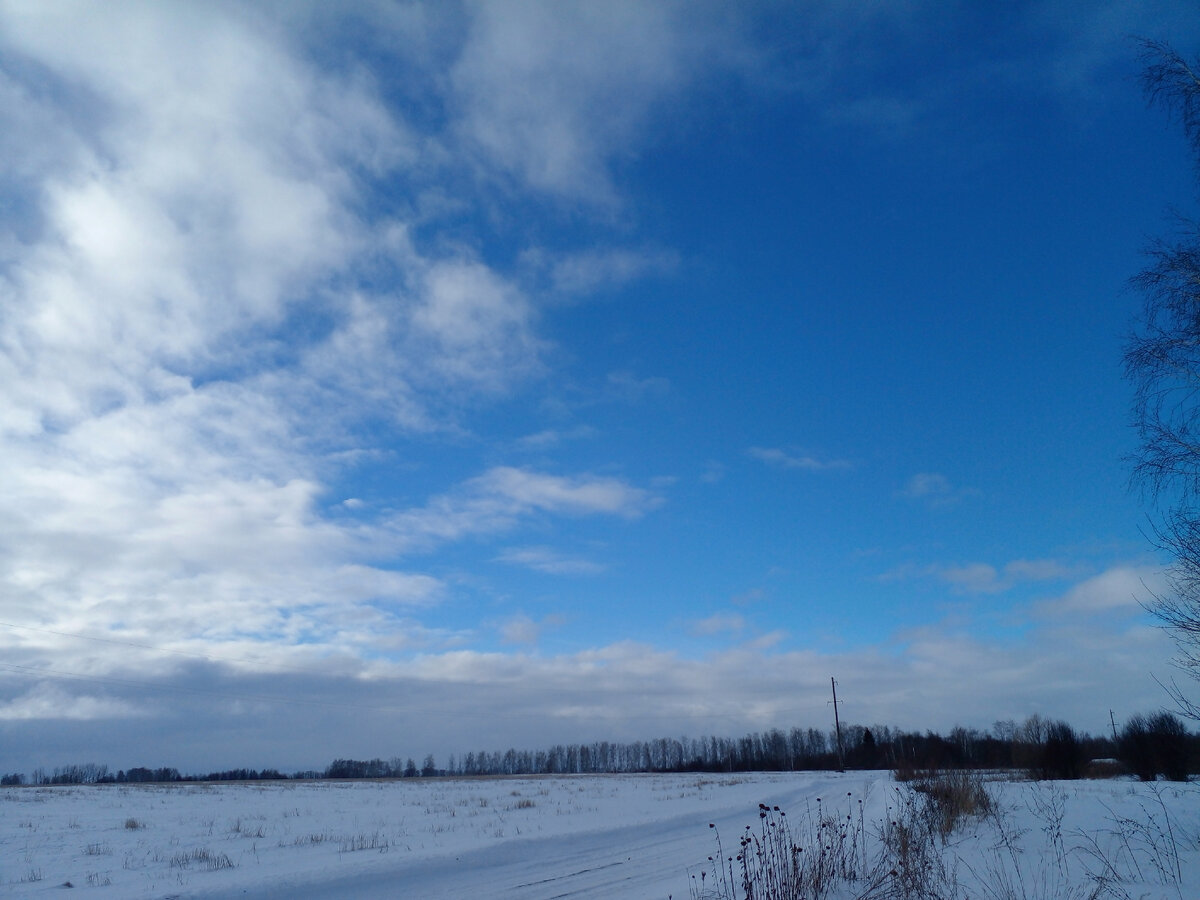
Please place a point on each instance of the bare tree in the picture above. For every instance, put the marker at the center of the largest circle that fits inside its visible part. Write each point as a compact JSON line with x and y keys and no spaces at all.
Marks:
{"x":1162,"y":359}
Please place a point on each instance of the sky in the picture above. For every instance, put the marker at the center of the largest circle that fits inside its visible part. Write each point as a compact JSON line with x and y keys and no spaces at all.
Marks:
{"x":382,"y":379}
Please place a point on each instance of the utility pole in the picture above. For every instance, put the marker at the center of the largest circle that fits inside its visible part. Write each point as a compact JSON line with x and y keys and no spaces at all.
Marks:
{"x":1114,"y":725}
{"x":837,"y":724}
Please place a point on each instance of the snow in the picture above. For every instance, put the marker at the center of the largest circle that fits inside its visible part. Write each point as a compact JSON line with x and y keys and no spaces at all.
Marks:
{"x":601,"y":836}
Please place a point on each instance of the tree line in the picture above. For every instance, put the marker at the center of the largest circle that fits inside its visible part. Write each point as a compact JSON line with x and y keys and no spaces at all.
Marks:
{"x":1148,"y":746}
{"x":91,"y":773}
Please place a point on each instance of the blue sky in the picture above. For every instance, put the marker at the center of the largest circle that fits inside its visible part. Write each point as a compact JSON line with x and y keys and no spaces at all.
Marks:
{"x":407,"y":378}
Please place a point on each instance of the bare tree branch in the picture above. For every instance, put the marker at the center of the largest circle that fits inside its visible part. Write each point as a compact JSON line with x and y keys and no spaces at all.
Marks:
{"x":1162,"y":360}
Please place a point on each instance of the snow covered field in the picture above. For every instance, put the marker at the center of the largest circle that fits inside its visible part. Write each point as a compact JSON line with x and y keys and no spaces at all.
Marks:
{"x":552,"y":837}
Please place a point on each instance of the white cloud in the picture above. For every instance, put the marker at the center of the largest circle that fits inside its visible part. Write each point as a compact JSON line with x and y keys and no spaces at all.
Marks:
{"x":1039,"y":570}
{"x":576,"y":496}
{"x":925,"y":484}
{"x":521,"y":629}
{"x":975,"y":578}
{"x":1119,"y":589}
{"x":584,"y":272}
{"x":935,"y":489}
{"x":185,"y":334}
{"x":985,"y":578}
{"x":933,"y":677}
{"x":787,"y":459}
{"x":747,"y":597}
{"x":496,"y":500}
{"x":480,"y":325}
{"x":552,"y":437}
{"x":551,"y":98}
{"x":719,"y":623}
{"x":193,"y":325}
{"x":47,"y":701}
{"x":548,"y":560}
{"x":631,"y":388}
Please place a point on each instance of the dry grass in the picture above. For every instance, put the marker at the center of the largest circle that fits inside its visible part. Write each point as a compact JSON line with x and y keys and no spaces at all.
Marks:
{"x":202,"y":858}
{"x":951,"y":798}
{"x":828,"y":852}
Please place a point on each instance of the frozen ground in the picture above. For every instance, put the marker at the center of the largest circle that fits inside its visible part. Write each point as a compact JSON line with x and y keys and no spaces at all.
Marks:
{"x":553,"y":837}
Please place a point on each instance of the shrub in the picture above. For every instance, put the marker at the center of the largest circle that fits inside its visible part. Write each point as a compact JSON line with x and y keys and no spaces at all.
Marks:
{"x":1061,"y":755}
{"x":1103,"y":768}
{"x":1155,"y":745}
{"x":1170,"y":745}
{"x":951,"y":798}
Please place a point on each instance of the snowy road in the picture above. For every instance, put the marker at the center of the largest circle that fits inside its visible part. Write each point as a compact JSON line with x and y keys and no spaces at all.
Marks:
{"x":626,"y":862}
{"x":649,"y":860}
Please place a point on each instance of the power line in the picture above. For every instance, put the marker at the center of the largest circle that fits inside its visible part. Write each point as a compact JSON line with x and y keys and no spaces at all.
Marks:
{"x":838,"y":725}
